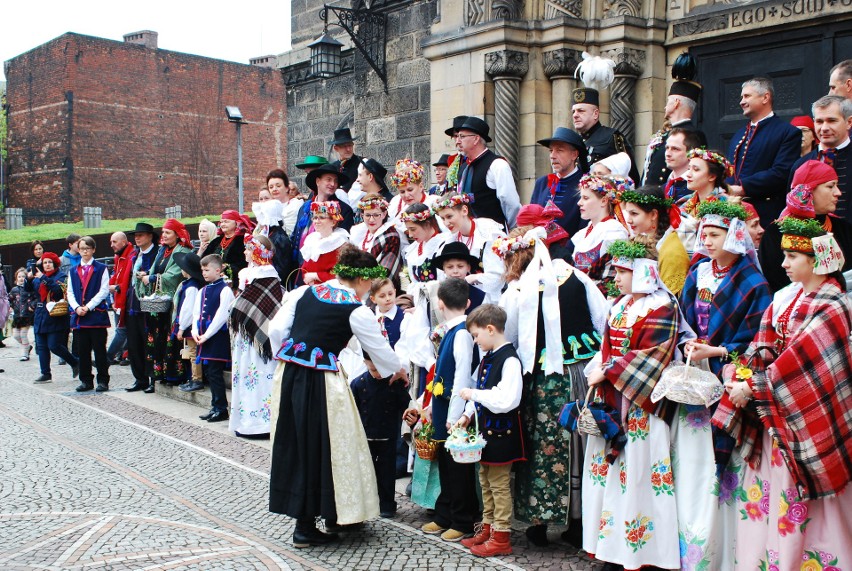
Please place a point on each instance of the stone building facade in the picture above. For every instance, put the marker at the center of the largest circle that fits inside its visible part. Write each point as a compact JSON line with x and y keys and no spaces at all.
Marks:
{"x":513,"y":62}
{"x":135,"y":129}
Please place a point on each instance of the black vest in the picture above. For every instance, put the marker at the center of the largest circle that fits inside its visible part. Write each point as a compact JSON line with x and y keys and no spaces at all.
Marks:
{"x":321,"y":329}
{"x":502,"y":431}
{"x":485,"y":201}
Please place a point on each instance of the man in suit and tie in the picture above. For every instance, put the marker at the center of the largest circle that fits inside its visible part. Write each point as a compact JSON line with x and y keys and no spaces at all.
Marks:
{"x":762,"y":151}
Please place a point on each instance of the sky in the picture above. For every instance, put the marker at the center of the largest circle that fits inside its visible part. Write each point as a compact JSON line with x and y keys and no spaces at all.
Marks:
{"x":253,"y":28}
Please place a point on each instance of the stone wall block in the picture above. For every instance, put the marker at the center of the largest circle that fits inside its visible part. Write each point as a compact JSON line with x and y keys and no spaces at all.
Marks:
{"x":368,"y":106}
{"x":413,"y":125}
{"x":425,"y":96}
{"x":401,"y":48}
{"x":313,"y":110}
{"x":413,"y":72}
{"x":422,"y":151}
{"x":379,"y":130}
{"x":389,"y":153}
{"x":402,"y":100}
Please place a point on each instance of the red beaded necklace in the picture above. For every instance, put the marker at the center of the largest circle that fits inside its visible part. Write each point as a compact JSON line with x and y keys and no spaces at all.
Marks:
{"x":718,"y":272}
{"x":226,"y":242}
{"x":468,"y":242}
{"x":783,"y":322}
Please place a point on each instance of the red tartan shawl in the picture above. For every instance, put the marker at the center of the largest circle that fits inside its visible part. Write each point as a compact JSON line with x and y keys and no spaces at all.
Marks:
{"x":652,"y":344}
{"x":804,"y":396}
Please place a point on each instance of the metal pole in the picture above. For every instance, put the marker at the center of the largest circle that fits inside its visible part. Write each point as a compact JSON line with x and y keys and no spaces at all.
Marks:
{"x":240,"y":165}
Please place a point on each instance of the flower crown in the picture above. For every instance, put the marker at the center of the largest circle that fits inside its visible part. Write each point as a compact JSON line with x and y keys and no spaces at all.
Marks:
{"x":349,"y":272}
{"x":610,"y":186}
{"x":644,"y":199}
{"x":421,"y":216}
{"x":330,"y":208}
{"x":258,"y":250}
{"x":504,"y":246}
{"x":408,"y":171}
{"x":722,"y":208}
{"x":372,"y":203}
{"x":450,"y":201}
{"x":712,"y":157}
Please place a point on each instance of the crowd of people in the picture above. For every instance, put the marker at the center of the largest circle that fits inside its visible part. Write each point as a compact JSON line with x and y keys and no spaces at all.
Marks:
{"x":365,"y":315}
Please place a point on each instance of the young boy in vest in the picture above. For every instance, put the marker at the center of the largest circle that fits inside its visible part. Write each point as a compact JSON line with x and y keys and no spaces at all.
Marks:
{"x":88,"y":290}
{"x":497,"y":396}
{"x":457,"y":507}
{"x":210,"y":332}
{"x":190,"y":266}
{"x":456,"y":261}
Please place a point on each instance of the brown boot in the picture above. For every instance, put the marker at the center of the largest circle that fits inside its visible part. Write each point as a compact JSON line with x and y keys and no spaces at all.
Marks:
{"x":482,"y":535}
{"x":498,"y":544}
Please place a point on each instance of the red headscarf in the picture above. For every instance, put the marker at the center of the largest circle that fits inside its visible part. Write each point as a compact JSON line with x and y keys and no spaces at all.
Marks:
{"x":244,"y":223}
{"x":178,"y":228}
{"x":543,"y":217}
{"x":42,"y":288}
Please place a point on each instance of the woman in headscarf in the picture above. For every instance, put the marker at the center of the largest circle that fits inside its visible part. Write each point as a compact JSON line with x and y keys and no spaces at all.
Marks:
{"x":788,"y":406}
{"x":558,"y":241}
{"x":51,"y":331}
{"x":206,"y":234}
{"x":165,"y":276}
{"x":722,"y":300}
{"x":229,"y":243}
{"x":252,"y":363}
{"x":554,"y":343}
{"x":271,"y":223}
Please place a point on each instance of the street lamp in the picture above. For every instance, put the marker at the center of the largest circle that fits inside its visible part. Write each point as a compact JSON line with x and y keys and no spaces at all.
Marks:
{"x":325,"y":56}
{"x":234,"y":116}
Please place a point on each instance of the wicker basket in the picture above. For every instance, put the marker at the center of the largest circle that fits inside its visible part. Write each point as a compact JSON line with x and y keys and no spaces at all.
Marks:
{"x":157,"y":302}
{"x":585,"y":420}
{"x":687,"y":384}
{"x":466,"y":448}
{"x":427,"y":449}
{"x":60,"y":309}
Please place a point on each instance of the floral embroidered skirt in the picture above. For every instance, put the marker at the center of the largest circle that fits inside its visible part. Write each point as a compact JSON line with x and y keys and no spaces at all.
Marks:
{"x":629,"y":509}
{"x":706,"y":507}
{"x":251,"y":393}
{"x":778,"y":531}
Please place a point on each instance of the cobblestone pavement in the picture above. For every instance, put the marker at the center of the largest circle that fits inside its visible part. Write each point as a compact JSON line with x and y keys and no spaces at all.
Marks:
{"x":129,"y":481}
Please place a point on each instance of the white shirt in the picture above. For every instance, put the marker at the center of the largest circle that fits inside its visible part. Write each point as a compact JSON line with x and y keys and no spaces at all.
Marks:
{"x":842,"y":145}
{"x":185,"y":318}
{"x":500,"y":178}
{"x":506,"y":395}
{"x":220,"y":318}
{"x":462,"y":379}
{"x":103,"y":290}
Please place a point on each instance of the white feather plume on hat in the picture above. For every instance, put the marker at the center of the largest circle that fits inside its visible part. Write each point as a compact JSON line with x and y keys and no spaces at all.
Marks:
{"x":595,"y":71}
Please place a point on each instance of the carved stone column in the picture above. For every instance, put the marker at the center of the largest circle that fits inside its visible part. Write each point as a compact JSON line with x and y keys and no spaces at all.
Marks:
{"x":622,"y":102}
{"x":559,"y":67}
{"x":507,"y":67}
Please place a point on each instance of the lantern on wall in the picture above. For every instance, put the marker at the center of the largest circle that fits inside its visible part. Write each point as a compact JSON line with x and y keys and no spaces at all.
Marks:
{"x":326,"y":60}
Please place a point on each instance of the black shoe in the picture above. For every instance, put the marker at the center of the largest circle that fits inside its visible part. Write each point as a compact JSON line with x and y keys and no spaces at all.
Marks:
{"x":112,"y":362}
{"x":101,"y":388}
{"x":218,"y":416}
{"x":44,"y":379}
{"x":408,"y":490}
{"x":191,"y":386}
{"x":387,"y":514}
{"x":137,"y":386}
{"x":208,"y":415}
{"x":574,"y":534}
{"x":149,"y":389}
{"x":83,"y":387}
{"x":75,"y":371}
{"x":537,"y":534}
{"x":312,"y":537}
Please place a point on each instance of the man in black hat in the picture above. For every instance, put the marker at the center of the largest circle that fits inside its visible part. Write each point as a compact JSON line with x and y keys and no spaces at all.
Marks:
{"x":568,"y":161}
{"x":601,"y":141}
{"x":371,"y":177}
{"x":344,"y":145}
{"x":135,"y":321}
{"x":680,"y":107}
{"x":441,"y":168}
{"x":488,"y":178}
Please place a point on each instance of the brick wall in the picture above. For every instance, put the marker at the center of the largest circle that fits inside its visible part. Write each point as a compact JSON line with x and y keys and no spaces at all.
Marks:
{"x":94,"y":122}
{"x":388,"y":125}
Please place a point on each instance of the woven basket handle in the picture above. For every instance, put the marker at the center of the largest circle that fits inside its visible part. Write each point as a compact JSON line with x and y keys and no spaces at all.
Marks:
{"x":589,"y":396}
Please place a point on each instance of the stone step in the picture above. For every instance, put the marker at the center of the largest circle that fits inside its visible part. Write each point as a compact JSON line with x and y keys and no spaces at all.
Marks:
{"x":200,"y":398}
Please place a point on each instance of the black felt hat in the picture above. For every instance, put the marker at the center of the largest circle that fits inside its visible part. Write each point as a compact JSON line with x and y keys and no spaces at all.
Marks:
{"x":570,"y":137}
{"x":586,"y":95}
{"x":457,"y":123}
{"x":444,"y":161}
{"x":375,"y":168}
{"x":455,"y":251}
{"x":478,"y":126}
{"x":311,"y":177}
{"x":143,"y":228}
{"x":191,"y":264}
{"x":342,"y":136}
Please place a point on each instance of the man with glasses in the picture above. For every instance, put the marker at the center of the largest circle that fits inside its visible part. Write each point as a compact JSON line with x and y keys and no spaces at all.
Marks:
{"x":488,"y":178}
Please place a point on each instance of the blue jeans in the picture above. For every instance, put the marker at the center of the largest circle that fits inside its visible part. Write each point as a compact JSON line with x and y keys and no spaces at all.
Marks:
{"x":55,"y":342}
{"x":119,"y":342}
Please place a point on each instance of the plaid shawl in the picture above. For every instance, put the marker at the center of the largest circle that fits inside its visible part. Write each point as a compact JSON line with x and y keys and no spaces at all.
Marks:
{"x":386,"y":247}
{"x":634,"y":374}
{"x":735,"y":310}
{"x":253,"y":309}
{"x":804,"y":396}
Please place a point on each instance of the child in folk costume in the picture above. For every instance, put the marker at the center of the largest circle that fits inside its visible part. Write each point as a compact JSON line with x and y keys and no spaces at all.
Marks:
{"x":598,"y":199}
{"x":253,"y":366}
{"x":23,"y":304}
{"x":322,"y":246}
{"x":788,"y":406}
{"x":629,"y":509}
{"x":553,"y":343}
{"x":477,"y":235}
{"x":497,"y":396}
{"x":455,"y":260}
{"x":88,"y":291}
{"x":408,"y":180}
{"x":457,"y":507}
{"x":321,"y":465}
{"x":723,"y":299}
{"x":210,"y":332}
{"x":181,"y":334}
